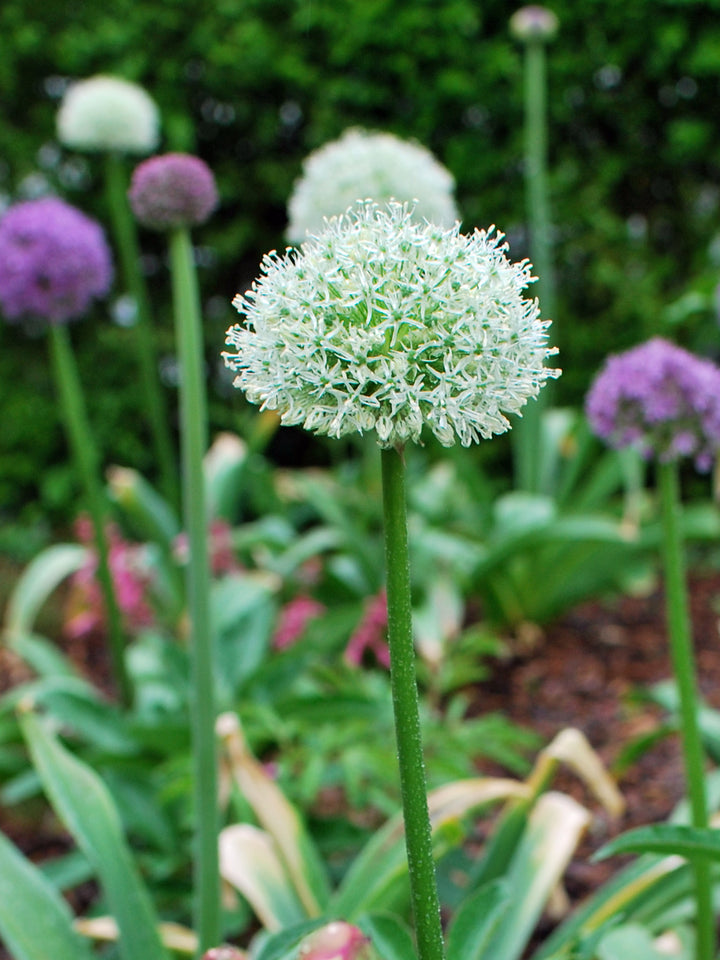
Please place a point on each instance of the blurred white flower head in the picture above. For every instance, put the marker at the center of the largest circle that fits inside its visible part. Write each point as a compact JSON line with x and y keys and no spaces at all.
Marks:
{"x":364,"y":165}
{"x":108,"y":113}
{"x":380,"y":323}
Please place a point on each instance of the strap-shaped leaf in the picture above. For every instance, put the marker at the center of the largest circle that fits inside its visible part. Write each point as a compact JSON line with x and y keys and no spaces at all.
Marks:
{"x":249,"y":860}
{"x":35,"y":921}
{"x":476,"y":921}
{"x":83,"y":803}
{"x":665,"y":838}
{"x":37,"y":582}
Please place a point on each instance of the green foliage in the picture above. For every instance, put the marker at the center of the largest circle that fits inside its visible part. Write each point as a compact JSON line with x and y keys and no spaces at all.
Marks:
{"x":253,"y":87}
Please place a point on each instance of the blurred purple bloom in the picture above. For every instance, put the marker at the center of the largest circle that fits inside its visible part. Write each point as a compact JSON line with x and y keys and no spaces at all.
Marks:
{"x":172,"y":190}
{"x":53,"y":261}
{"x":660,"y":398}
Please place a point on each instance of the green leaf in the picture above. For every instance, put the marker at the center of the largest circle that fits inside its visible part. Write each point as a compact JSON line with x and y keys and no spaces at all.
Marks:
{"x":37,"y":582}
{"x":665,"y":838}
{"x":555,"y":826}
{"x":633,"y":940}
{"x":389,"y":936}
{"x":476,"y":921}
{"x":35,"y":921}
{"x":84,"y":804}
{"x":283,"y":944}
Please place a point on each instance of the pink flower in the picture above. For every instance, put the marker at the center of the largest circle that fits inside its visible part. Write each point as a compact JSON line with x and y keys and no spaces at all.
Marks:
{"x":293,"y":619}
{"x":335,"y":941}
{"x":172,"y":190}
{"x":370,"y":633}
{"x":222,"y":554}
{"x":131,"y":578}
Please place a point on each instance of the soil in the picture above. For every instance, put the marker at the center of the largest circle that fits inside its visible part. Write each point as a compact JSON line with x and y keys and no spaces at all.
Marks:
{"x":585,"y":671}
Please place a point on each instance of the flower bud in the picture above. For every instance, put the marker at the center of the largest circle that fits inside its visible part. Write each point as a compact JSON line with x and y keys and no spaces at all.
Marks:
{"x":172,"y":190}
{"x":533,"y":23}
{"x":224,"y":952}
{"x":336,"y":941}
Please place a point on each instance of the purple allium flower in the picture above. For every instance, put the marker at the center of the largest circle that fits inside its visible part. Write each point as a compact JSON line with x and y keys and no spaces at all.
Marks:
{"x":53,"y":261}
{"x":660,"y":398}
{"x":173,"y":190}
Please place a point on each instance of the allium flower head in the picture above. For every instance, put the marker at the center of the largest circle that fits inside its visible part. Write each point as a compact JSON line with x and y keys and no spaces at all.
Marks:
{"x":108,"y":113}
{"x":381,"y":323}
{"x":662,"y":399}
{"x":173,"y":190}
{"x":533,"y":23}
{"x":53,"y":261}
{"x":362,"y":165}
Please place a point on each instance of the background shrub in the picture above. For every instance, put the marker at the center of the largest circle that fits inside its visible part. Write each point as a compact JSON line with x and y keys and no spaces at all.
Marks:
{"x":253,"y":86}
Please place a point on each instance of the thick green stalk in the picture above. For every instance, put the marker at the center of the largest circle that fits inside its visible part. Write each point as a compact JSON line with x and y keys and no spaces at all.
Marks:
{"x":126,"y":239}
{"x":683,"y":660}
{"x":86,"y":462}
{"x":526,"y":433}
{"x":418,"y":839}
{"x":193,"y":423}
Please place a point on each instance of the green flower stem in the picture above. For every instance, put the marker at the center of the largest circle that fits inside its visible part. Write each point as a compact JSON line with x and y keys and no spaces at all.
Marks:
{"x":527,"y":431}
{"x":128,"y":247}
{"x":86,"y":461}
{"x":193,"y":423}
{"x":418,"y":839}
{"x":683,"y":660}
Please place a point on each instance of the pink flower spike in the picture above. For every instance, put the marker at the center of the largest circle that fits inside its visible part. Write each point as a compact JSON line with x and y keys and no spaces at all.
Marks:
{"x":294,"y":618}
{"x":370,"y":633}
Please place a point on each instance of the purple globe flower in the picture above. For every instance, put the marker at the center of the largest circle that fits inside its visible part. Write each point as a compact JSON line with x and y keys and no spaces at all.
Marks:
{"x":662,"y":399}
{"x":172,"y":190}
{"x":54,"y":261}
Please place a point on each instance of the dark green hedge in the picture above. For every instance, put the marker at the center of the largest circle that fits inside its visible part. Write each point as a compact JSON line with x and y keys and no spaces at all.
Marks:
{"x":253,"y":86}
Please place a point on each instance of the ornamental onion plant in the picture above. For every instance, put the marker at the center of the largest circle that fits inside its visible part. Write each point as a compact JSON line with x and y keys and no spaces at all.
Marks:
{"x":534,"y":27}
{"x":383,"y":325}
{"x":172,"y":193}
{"x":365,"y":164}
{"x":113,"y":117}
{"x":54,"y":262}
{"x":666,"y":402}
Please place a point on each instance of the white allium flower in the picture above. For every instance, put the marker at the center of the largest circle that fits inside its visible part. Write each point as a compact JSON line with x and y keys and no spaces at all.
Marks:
{"x":381,"y":323}
{"x":108,"y":113}
{"x":362,"y":165}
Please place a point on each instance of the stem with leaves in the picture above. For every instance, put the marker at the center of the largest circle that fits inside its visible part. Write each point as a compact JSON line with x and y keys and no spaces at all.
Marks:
{"x":418,"y":837}
{"x":683,"y":660}
{"x":193,"y":421}
{"x":87,"y":464}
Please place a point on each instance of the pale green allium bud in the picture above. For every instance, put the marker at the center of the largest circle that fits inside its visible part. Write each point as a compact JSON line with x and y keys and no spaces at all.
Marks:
{"x":383,"y":324}
{"x":365,"y":165}
{"x":533,"y":23}
{"x":106,"y":113}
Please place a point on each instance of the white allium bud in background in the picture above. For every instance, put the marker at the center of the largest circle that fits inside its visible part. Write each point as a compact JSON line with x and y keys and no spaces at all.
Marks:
{"x":108,"y":113}
{"x":533,"y":23}
{"x":382,"y":323}
{"x":376,"y":166}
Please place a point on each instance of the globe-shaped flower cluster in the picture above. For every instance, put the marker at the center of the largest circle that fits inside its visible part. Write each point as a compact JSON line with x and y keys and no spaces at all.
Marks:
{"x":367,"y":165}
{"x":383,"y":324}
{"x":172,"y":190}
{"x":54,"y":261}
{"x":660,"y":398}
{"x":105,"y":113}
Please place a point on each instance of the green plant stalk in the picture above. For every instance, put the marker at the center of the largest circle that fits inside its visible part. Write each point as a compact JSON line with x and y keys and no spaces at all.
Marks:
{"x":526,"y":433}
{"x":193,"y":432}
{"x":683,"y":660}
{"x":126,"y":239}
{"x":418,"y":836}
{"x":86,"y":461}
